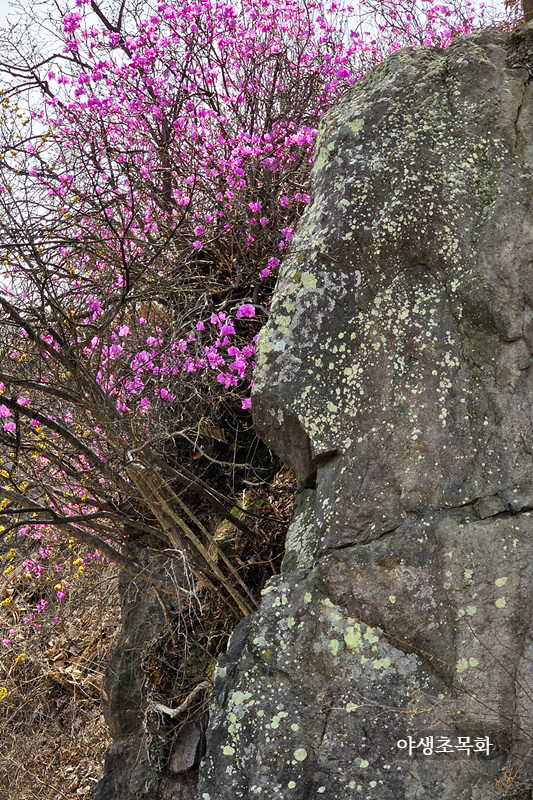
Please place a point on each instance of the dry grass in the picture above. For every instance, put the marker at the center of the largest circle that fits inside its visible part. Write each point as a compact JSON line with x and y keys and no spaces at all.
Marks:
{"x":53,"y":735}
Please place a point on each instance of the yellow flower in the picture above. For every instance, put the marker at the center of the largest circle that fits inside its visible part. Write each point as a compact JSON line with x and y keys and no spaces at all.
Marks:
{"x":3,"y":692}
{"x":20,"y":657}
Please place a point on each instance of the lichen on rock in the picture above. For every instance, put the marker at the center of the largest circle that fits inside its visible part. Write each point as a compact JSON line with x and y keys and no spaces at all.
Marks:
{"x":394,"y":376}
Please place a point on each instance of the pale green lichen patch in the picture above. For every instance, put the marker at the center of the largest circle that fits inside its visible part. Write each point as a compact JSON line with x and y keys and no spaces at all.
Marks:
{"x":300,"y":754}
{"x":381,"y":663}
{"x":279,"y":717}
{"x":352,"y":637}
{"x":239,"y":698}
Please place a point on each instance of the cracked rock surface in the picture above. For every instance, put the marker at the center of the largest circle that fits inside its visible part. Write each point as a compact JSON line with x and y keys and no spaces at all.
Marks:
{"x":395,"y":377}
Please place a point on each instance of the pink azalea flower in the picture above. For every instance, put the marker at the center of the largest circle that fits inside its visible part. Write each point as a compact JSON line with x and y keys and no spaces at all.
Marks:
{"x":246,"y":310}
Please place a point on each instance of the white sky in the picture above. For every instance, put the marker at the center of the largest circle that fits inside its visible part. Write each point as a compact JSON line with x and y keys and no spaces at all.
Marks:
{"x":4,"y":10}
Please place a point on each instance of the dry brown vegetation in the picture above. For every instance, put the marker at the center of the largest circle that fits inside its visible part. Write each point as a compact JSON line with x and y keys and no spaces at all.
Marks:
{"x":52,"y":732}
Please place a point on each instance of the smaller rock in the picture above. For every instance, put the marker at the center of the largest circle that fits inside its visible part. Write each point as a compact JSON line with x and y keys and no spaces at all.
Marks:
{"x":187,"y":749}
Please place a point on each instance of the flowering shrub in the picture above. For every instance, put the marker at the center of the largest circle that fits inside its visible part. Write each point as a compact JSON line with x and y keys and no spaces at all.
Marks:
{"x":146,"y":200}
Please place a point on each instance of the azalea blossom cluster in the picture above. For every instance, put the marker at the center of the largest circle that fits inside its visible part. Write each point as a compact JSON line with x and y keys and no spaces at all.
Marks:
{"x":197,"y":128}
{"x":154,"y":370}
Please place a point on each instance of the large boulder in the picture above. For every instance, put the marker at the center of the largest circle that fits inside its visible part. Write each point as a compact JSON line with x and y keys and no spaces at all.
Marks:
{"x":395,"y":377}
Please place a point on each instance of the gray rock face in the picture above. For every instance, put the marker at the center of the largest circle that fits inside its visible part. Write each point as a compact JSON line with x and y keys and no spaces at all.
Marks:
{"x":150,"y":758}
{"x":395,"y":378}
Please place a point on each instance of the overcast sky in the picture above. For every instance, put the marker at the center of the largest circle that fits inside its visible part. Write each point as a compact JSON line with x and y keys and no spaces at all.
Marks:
{"x":4,"y":9}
